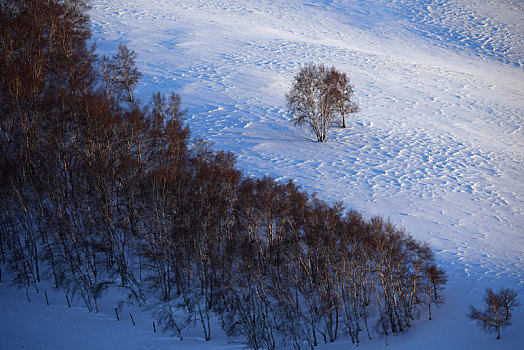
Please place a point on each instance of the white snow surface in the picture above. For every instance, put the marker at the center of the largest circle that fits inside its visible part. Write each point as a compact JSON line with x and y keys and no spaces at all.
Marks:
{"x":438,"y":146}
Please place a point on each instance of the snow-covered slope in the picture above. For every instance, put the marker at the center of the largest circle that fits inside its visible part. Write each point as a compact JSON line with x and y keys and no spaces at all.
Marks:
{"x":438,"y":145}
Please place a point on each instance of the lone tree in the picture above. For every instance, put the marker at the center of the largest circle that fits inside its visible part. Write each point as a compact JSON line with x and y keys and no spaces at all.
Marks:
{"x":319,"y":97}
{"x":498,"y":310}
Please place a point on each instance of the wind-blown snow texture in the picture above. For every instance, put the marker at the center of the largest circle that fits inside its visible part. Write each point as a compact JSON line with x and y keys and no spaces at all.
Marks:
{"x":438,"y":145}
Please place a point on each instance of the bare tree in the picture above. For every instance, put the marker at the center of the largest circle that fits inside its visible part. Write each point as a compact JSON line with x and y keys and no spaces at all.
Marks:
{"x":434,"y":280}
{"x":127,"y":74}
{"x":107,"y":76}
{"x":319,"y":95}
{"x":343,"y":90}
{"x":508,"y":298}
{"x":497,"y":314}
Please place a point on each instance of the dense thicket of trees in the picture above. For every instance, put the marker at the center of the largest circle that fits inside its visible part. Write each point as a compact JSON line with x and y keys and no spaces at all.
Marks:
{"x":98,"y":191}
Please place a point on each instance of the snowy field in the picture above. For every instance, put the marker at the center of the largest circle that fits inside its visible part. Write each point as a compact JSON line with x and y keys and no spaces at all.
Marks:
{"x":438,"y":145}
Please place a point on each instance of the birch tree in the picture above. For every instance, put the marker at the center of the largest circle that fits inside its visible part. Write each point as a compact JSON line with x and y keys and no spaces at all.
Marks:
{"x":318,"y":97}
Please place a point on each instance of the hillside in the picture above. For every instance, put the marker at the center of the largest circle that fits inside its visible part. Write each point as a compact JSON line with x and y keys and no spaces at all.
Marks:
{"x":438,"y":146}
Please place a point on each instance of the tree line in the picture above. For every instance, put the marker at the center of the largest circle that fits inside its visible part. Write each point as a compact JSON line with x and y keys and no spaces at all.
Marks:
{"x":101,"y":191}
